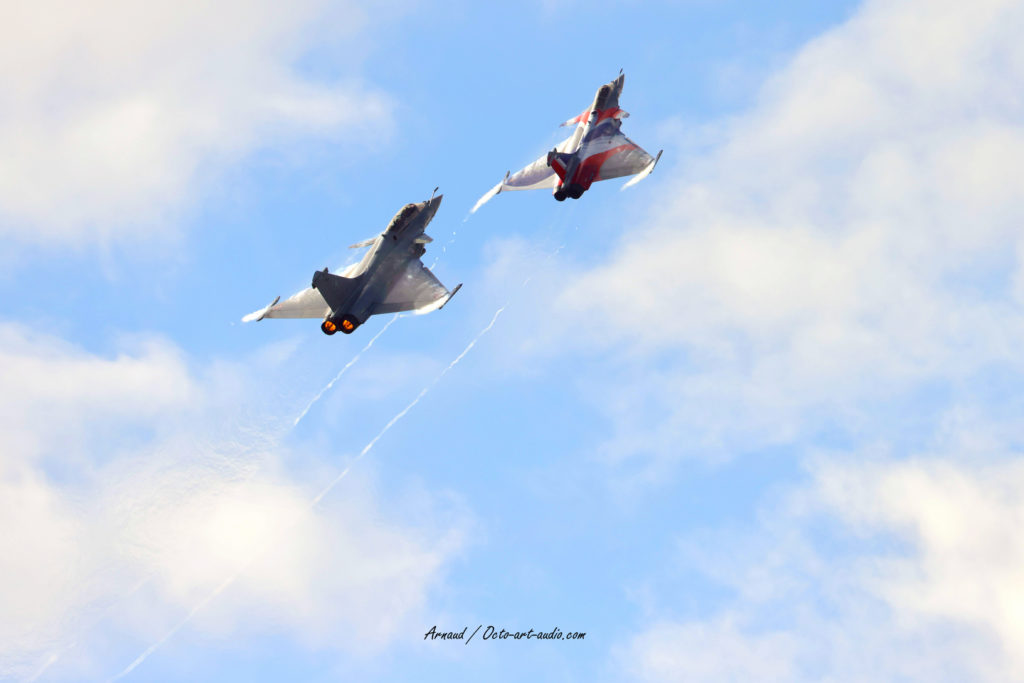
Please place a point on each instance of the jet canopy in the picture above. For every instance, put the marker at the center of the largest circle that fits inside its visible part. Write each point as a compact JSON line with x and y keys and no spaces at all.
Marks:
{"x":401,"y":217}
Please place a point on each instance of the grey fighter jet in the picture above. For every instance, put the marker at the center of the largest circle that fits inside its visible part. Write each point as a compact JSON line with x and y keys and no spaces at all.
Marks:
{"x":596,"y":150}
{"x":390,"y":278}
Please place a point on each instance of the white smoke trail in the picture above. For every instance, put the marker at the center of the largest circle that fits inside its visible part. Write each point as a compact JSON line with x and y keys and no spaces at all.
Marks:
{"x":430,"y":386}
{"x":312,"y":504}
{"x":74,"y":643}
{"x":195,"y":610}
{"x":343,"y":371}
{"x":49,"y":662}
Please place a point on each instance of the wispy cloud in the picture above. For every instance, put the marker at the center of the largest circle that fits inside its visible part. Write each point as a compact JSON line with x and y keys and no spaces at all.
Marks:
{"x":875,"y":570}
{"x":139,"y":489}
{"x":112,"y":117}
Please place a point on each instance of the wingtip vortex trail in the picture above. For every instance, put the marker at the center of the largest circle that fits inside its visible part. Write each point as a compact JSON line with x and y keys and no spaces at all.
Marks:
{"x":343,"y":371}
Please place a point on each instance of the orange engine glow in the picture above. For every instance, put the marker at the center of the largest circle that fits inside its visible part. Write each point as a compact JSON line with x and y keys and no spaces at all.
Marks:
{"x":330,"y":326}
{"x":347,"y":325}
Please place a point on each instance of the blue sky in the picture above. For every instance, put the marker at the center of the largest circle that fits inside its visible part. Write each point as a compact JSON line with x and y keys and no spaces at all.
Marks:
{"x":756,"y":418}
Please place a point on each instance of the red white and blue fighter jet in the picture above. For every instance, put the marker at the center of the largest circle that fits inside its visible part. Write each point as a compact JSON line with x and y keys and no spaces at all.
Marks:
{"x":596,"y":150}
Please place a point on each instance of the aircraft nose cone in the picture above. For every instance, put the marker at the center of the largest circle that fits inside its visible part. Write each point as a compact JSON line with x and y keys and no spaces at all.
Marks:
{"x":431,"y":205}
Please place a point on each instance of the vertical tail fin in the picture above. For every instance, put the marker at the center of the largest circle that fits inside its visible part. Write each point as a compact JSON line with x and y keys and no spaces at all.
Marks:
{"x":559,"y":161}
{"x":337,"y":291}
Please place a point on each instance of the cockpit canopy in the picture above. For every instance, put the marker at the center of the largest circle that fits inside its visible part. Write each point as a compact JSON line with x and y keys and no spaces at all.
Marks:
{"x":403,"y":215}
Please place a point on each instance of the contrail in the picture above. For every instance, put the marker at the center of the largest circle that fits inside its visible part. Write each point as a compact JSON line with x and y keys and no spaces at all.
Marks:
{"x":206,"y":601}
{"x":57,"y":654}
{"x":48,"y":663}
{"x":312,"y":504}
{"x":430,"y":386}
{"x":343,"y":371}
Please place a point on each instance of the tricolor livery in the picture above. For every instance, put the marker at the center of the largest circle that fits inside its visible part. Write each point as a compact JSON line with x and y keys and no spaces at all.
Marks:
{"x":597,"y":150}
{"x":390,"y":278}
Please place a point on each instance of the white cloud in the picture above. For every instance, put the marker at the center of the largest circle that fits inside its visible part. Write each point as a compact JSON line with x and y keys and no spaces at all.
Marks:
{"x":715,"y":651}
{"x":963,"y":522}
{"x":113,"y":114}
{"x":130,"y":489}
{"x":876,"y":571}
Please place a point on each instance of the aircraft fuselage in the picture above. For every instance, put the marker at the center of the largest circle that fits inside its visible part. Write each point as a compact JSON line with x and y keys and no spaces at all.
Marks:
{"x":384,"y":261}
{"x":578,"y":167}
